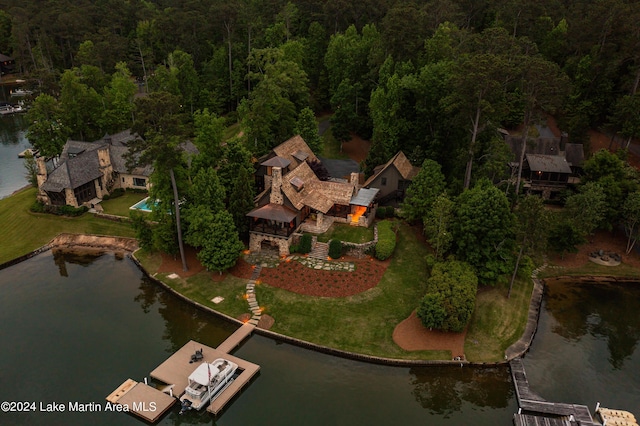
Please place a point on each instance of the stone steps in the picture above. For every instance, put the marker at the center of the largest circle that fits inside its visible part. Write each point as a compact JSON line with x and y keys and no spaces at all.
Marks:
{"x":320,"y":251}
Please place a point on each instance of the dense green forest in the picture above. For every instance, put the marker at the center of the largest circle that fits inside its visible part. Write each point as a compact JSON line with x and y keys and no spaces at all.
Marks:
{"x":432,"y":78}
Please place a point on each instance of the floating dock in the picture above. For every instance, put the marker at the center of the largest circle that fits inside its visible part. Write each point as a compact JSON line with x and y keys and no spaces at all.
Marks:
{"x":537,"y":411}
{"x":150,"y":403}
{"x":142,"y":400}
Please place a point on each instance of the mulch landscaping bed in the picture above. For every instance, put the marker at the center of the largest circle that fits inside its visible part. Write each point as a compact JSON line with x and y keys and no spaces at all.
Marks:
{"x":295,"y":277}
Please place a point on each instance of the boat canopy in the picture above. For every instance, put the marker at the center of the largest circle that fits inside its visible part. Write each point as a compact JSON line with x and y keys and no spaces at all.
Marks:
{"x":204,"y":371}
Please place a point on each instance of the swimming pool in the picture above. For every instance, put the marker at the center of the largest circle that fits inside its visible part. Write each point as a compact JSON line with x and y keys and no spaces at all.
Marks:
{"x":143,"y":205}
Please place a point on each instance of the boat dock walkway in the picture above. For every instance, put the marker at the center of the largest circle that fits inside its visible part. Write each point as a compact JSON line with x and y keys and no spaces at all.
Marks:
{"x":542,"y":412}
{"x":150,"y":403}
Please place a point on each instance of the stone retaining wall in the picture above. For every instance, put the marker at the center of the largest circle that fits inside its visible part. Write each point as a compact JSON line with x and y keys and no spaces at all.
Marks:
{"x":360,"y":250}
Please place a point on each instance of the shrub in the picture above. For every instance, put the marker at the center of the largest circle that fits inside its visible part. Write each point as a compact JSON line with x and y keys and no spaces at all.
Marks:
{"x":335,"y":249}
{"x":305,"y":244}
{"x":71,"y":211}
{"x":37,"y":207}
{"x":381,"y":212}
{"x":450,"y":298}
{"x":390,"y":211}
{"x":386,"y":240}
{"x":118,"y":192}
{"x":293,"y":248}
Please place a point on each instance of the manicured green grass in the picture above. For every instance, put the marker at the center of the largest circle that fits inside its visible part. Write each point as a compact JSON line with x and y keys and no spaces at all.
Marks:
{"x":120,"y":206}
{"x":363,"y":323}
{"x":344,"y":232}
{"x":201,"y":288}
{"x":24,"y":231}
{"x":497,"y":322}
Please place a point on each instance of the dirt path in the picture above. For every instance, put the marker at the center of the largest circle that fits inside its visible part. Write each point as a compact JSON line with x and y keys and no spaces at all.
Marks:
{"x":357,"y":148}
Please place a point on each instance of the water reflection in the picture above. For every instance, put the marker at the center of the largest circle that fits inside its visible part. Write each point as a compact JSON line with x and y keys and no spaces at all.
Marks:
{"x":61,"y":257}
{"x":443,"y":390}
{"x":597,"y":309}
{"x":90,"y":338}
{"x":12,"y":129}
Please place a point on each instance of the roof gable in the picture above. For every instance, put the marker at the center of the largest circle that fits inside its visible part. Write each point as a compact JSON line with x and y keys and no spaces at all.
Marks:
{"x":548,"y":163}
{"x":401,"y":163}
{"x":295,"y":150}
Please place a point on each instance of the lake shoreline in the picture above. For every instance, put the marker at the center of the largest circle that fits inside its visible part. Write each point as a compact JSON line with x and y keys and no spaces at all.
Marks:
{"x":121,"y":246}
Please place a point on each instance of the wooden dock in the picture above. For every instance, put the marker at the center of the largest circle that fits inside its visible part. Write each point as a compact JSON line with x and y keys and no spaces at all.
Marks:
{"x":142,"y":400}
{"x":541,"y":412}
{"x":150,"y":403}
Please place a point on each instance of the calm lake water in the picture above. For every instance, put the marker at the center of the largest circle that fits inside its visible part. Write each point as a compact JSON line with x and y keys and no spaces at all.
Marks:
{"x":12,"y":142}
{"x":74,"y":328}
{"x":586,"y":348}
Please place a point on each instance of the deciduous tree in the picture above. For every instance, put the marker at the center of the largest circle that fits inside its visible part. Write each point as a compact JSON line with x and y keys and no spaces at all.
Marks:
{"x":483,"y":231}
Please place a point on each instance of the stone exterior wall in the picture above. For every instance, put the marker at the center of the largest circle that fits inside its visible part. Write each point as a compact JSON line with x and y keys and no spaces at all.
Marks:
{"x":256,"y":240}
{"x":125,"y":181}
{"x":360,"y":250}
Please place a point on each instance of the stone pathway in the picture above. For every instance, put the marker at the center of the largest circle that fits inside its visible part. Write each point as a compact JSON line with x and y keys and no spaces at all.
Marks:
{"x":324,"y":265}
{"x":263,"y":258}
{"x":320,"y":251}
{"x":251,"y":296}
{"x":260,"y":260}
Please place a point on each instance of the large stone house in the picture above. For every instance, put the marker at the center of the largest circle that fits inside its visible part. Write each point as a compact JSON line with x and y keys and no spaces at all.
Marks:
{"x":294,"y":199}
{"x":87,"y":171}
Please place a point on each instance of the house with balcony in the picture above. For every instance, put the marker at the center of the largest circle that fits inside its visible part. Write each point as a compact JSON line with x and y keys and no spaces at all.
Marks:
{"x":295,"y":200}
{"x":550,"y":164}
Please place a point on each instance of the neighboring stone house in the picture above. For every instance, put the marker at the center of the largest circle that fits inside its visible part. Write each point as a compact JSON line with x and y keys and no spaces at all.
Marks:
{"x":392,"y":179}
{"x":87,"y":171}
{"x":294,"y":199}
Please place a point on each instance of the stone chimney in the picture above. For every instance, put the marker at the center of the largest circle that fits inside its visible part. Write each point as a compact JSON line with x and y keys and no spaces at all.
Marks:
{"x":42,"y":178}
{"x":354,"y":180}
{"x":42,"y":171}
{"x":276,"y":186}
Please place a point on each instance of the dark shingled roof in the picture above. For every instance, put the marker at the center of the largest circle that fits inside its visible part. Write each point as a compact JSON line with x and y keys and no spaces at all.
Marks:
{"x":79,"y":161}
{"x":275,"y":212}
{"x":548,"y":163}
{"x":276,"y":162}
{"x":74,"y":172}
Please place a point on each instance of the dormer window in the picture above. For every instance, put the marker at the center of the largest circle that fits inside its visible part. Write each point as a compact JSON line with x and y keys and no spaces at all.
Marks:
{"x":297,"y":183}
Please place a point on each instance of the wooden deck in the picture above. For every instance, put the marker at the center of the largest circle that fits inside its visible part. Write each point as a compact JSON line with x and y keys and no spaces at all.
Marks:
{"x":541,"y":412}
{"x":150,"y":403}
{"x":142,"y":400}
{"x":236,"y":338}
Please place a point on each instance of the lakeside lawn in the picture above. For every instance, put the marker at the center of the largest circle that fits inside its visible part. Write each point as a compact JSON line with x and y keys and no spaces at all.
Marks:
{"x":24,"y":231}
{"x":346,"y":232}
{"x":362,"y":323}
{"x":119,"y":206}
